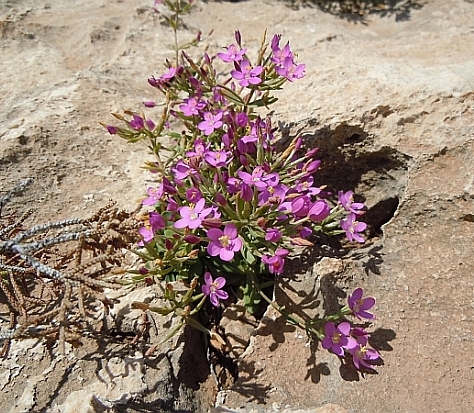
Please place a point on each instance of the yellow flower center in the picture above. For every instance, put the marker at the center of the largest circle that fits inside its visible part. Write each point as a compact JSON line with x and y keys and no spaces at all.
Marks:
{"x":336,"y":338}
{"x":224,"y":240}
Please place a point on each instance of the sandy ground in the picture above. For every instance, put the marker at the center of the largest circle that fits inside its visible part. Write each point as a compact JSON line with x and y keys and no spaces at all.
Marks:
{"x":389,"y":99}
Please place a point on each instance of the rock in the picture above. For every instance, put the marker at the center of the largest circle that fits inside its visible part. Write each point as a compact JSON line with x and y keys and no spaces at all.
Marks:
{"x":388,"y":98}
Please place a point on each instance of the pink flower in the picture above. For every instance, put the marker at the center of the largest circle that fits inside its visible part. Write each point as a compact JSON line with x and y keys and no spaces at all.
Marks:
{"x":290,"y":70}
{"x":192,"y":106}
{"x":359,"y":305}
{"x":193,"y":195}
{"x":216,"y":159}
{"x":353,"y":227}
{"x":156,"y":222}
{"x":232,"y":55}
{"x":137,"y":123}
{"x":200,"y":148}
{"x":182,"y":170}
{"x":273,"y":235}
{"x":279,"y":55}
{"x":247,"y":75}
{"x":277,"y":262}
{"x":154,"y":195}
{"x":256,"y":178}
{"x":337,"y":338}
{"x":193,"y":215}
{"x":210,"y":123}
{"x":361,"y":353}
{"x":347,"y":202}
{"x":224,"y":243}
{"x":213,"y":289}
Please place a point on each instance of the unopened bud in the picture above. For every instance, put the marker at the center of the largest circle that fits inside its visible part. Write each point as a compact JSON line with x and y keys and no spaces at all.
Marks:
{"x":212,"y":222}
{"x":261,"y":222}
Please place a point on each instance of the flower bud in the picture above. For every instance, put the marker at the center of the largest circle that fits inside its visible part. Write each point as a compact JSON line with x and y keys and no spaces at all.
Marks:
{"x":192,"y":239}
{"x":112,"y":129}
{"x":261,"y":222}
{"x":238,"y":38}
{"x":211,"y":222}
{"x":319,"y":211}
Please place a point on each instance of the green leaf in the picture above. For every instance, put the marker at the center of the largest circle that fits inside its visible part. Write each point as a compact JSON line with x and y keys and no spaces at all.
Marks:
{"x":173,"y":332}
{"x":248,"y":256}
{"x":232,"y":96}
{"x":197,"y":325}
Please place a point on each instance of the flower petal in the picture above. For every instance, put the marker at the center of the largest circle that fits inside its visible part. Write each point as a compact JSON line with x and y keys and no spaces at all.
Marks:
{"x":231,"y":231}
{"x":220,"y":282}
{"x":214,"y":234}
{"x":213,"y":249}
{"x":214,"y":300}
{"x":208,"y":278}
{"x":344,"y":328}
{"x":226,"y":255}
{"x":368,"y":303}
{"x":222,"y":295}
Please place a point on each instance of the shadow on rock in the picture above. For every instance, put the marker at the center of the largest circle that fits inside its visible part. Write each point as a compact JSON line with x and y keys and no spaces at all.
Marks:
{"x":254,"y":392}
{"x":357,"y":11}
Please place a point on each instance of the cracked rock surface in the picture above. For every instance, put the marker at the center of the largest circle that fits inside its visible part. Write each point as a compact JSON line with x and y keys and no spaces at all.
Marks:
{"x":389,"y":99}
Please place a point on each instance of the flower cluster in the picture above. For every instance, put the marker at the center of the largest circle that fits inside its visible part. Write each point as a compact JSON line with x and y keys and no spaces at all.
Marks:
{"x":345,"y":339}
{"x":228,"y":208}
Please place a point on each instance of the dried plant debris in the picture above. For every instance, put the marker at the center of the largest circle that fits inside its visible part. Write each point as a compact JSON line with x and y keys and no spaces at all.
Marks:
{"x":53,"y":275}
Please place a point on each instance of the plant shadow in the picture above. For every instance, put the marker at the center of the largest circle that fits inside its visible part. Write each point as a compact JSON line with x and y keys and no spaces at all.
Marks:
{"x":358,"y":12}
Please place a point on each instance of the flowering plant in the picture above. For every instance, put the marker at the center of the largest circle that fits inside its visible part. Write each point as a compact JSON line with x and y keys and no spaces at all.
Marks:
{"x":228,"y":208}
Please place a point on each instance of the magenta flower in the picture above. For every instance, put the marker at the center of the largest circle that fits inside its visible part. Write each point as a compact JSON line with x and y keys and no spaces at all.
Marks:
{"x":137,"y":122}
{"x":192,"y":106}
{"x":232,"y":55}
{"x":216,"y":159}
{"x":169,"y":74}
{"x":193,"y":195}
{"x":200,"y":148}
{"x":347,"y":202}
{"x":193,"y":215}
{"x":182,"y":170}
{"x":279,"y":55}
{"x":213,"y":289}
{"x":156,"y":222}
{"x":234,"y":185}
{"x":255,"y":178}
{"x":306,"y":186}
{"x":276,"y":262}
{"x":247,"y":75}
{"x":210,"y":123}
{"x":224,"y":243}
{"x":337,"y":339}
{"x":290,"y":70}
{"x":353,"y":227}
{"x":359,"y":305}
{"x":149,"y":104}
{"x":154,"y":195}
{"x":300,"y":206}
{"x":361,"y":353}
{"x":272,"y":194}
{"x":273,"y":235}
{"x":319,"y":211}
